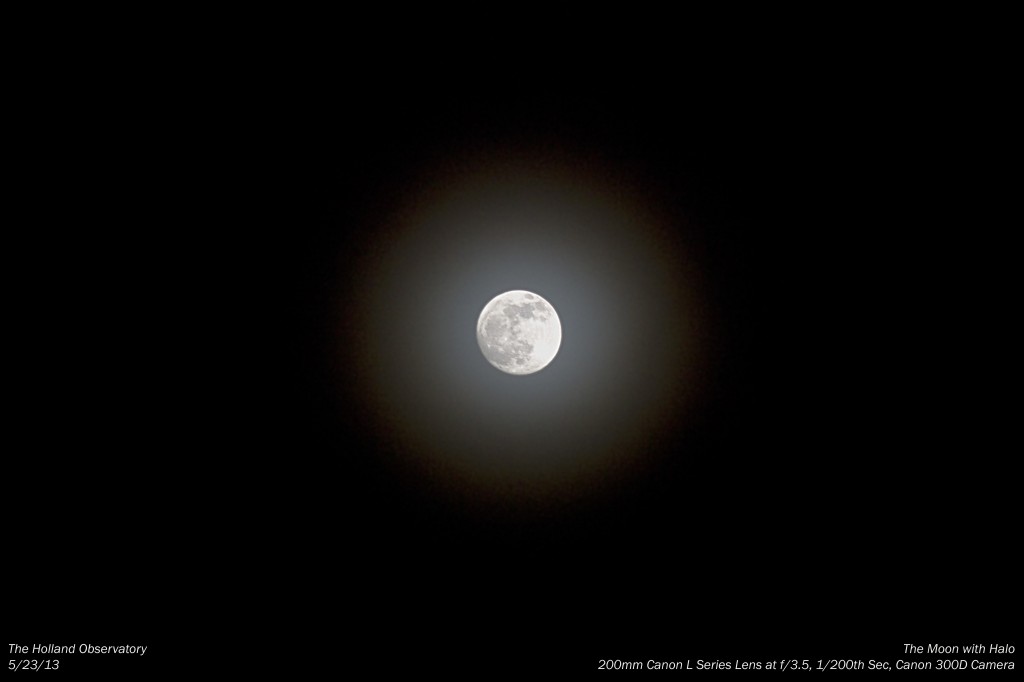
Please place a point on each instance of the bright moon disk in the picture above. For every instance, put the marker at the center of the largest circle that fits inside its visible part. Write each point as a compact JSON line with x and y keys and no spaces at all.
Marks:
{"x":519,"y":332}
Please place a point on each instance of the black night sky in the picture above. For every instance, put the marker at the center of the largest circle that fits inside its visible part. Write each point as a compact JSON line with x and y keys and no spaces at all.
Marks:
{"x":259,"y":411}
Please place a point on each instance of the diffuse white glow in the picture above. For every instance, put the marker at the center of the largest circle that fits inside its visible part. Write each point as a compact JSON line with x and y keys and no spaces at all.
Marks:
{"x":613,"y":263}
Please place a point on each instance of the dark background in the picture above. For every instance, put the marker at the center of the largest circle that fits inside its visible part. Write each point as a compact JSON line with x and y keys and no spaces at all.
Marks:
{"x":198,"y":463}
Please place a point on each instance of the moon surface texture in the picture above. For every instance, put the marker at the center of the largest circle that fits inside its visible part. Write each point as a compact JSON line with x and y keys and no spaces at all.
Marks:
{"x":519,"y":332}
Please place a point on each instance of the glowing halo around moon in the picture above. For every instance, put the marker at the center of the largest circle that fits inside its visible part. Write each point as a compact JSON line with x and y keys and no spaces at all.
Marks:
{"x":519,"y":332}
{"x":454,"y":414}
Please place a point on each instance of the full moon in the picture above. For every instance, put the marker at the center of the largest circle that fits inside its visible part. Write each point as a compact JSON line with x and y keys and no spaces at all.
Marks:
{"x":519,"y":332}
